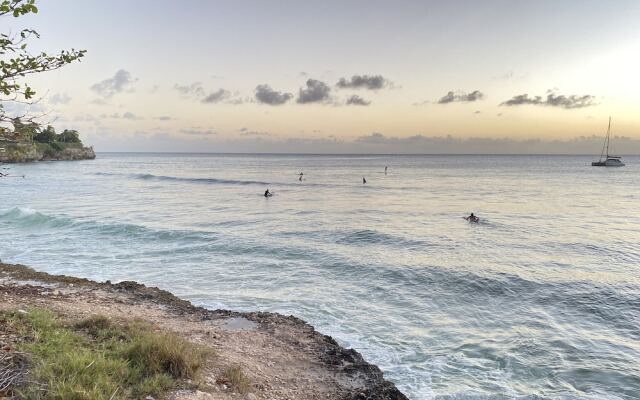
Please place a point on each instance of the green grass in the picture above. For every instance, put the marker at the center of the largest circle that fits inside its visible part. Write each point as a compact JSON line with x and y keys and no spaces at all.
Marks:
{"x":100,"y":359}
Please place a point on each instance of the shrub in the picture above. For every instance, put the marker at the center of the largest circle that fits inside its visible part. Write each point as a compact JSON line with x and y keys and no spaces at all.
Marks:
{"x":98,"y":358}
{"x":237,"y":379}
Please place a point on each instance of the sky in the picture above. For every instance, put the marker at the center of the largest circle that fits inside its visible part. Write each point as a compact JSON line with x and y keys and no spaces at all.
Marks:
{"x":348,"y":76}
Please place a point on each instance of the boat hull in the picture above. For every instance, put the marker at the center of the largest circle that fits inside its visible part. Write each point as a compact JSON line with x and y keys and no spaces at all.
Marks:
{"x":608,"y":163}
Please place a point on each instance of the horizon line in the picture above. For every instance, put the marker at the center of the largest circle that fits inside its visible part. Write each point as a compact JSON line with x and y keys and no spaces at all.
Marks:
{"x":358,"y":154}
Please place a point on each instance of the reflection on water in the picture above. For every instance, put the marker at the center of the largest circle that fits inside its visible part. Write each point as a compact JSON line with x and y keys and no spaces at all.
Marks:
{"x":540,"y":299}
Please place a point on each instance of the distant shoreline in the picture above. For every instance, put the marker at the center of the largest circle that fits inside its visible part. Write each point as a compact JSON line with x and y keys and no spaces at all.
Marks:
{"x":20,"y":153}
{"x":362,"y":154}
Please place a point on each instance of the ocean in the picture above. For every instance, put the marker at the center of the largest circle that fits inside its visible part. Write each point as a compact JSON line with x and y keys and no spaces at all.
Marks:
{"x":540,"y":300}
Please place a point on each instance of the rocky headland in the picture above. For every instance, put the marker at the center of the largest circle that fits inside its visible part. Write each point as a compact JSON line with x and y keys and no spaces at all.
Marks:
{"x":278,"y":356}
{"x":30,"y":152}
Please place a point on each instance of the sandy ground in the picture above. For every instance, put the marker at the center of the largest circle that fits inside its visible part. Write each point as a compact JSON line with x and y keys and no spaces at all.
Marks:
{"x":283,"y":357}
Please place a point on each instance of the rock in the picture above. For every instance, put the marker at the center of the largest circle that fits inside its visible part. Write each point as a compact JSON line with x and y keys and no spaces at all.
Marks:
{"x":198,"y":395}
{"x":29,"y":152}
{"x":250,"y":396}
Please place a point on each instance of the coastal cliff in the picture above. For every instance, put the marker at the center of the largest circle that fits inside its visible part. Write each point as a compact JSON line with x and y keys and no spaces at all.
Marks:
{"x":30,"y":152}
{"x":270,"y":356}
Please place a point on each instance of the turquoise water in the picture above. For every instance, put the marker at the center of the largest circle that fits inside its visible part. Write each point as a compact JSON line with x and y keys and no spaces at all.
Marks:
{"x":539,"y":300}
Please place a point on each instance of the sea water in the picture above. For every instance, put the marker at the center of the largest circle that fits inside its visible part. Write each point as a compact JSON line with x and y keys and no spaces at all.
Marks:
{"x":541,"y":299}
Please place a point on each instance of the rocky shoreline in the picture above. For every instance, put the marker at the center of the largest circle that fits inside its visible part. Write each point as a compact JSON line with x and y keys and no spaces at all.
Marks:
{"x":26,"y":152}
{"x":285,"y":357}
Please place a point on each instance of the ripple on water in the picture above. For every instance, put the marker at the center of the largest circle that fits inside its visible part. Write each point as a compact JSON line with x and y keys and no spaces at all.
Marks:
{"x":540,"y":301}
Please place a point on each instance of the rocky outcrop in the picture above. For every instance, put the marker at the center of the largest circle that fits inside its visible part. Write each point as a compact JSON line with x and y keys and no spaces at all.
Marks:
{"x":69,"y":154}
{"x":284,"y":357}
{"x":30,"y":152}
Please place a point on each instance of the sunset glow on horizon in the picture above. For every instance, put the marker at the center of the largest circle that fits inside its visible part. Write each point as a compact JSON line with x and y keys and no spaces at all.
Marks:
{"x":235,"y":76}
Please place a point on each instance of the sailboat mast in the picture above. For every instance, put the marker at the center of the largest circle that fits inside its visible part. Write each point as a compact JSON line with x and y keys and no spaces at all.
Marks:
{"x":608,"y":134}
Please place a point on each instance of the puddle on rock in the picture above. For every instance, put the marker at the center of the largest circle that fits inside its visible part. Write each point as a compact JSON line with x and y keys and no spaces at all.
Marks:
{"x":238,"y":324}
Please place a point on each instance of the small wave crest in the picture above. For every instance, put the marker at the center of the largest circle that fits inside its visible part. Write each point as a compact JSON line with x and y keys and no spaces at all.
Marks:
{"x":211,"y":181}
{"x":28,"y":218}
{"x":368,"y":236}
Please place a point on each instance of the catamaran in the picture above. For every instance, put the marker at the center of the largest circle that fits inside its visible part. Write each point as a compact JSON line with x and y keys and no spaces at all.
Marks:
{"x":607,"y":160}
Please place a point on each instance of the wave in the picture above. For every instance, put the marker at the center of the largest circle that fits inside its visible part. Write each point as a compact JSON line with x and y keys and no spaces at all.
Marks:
{"x":368,"y":236}
{"x":146,"y":241}
{"x":357,"y":238}
{"x":32,"y":219}
{"x":28,"y":218}
{"x":220,"y":181}
{"x":613,"y":305}
{"x":151,"y":177}
{"x":623,"y":255}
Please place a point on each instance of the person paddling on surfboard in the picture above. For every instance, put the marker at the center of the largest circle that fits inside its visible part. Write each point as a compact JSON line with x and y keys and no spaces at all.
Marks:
{"x":472,"y":218}
{"x":267,"y":193}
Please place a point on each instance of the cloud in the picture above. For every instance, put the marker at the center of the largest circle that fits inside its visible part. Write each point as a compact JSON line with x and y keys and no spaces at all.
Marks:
{"x":197,"y":92}
{"x":375,"y":137}
{"x":84,"y":118}
{"x":193,"y":90}
{"x":266,"y":95}
{"x":356,"y":100}
{"x":315,"y":92}
{"x":370,"y":82}
{"x":99,"y":102}
{"x":130,"y":115}
{"x":248,"y":132}
{"x":199,"y":139}
{"x":126,"y":115}
{"x":199,"y":132}
{"x":553,"y":100}
{"x":217,"y":96}
{"x":121,"y":81}
{"x":454,"y":97}
{"x":15,"y":108}
{"x":59,"y":98}
{"x":511,"y":76}
{"x":255,"y":133}
{"x":239,"y":100}
{"x":378,"y":143}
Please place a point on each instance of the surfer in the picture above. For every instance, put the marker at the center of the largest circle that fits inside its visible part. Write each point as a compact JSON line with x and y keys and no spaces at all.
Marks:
{"x":385,"y":170}
{"x":301,"y":174}
{"x":364,"y":180}
{"x":472,"y":218}
{"x":267,"y":193}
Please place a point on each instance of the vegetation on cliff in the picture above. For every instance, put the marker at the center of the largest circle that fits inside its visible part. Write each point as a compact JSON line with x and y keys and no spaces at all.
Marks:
{"x":95,"y":358}
{"x":29,"y":141}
